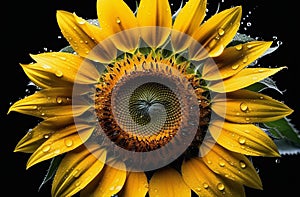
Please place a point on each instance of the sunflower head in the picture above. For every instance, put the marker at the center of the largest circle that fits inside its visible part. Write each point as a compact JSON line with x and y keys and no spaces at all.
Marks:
{"x":150,"y":103}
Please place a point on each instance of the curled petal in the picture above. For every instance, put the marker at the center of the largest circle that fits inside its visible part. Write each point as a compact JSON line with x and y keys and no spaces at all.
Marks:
{"x":234,"y":166}
{"x":60,"y":142}
{"x":218,"y":31}
{"x":40,"y":133}
{"x":247,"y":139}
{"x":244,"y":106}
{"x":80,"y":41}
{"x":204,"y":182}
{"x":168,"y":182}
{"x":190,"y":16}
{"x":234,"y":59}
{"x":77,"y":169}
{"x":105,"y":51}
{"x":242,"y":79}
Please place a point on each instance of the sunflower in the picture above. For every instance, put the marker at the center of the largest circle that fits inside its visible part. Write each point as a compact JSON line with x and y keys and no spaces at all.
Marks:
{"x":146,"y":103}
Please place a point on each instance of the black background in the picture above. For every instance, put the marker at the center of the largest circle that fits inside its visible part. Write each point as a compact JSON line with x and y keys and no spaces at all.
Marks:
{"x":30,"y":27}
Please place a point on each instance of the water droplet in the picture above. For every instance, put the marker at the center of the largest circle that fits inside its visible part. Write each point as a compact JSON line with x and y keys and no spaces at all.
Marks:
{"x":221,"y":32}
{"x":46,"y":148}
{"x":59,"y":73}
{"x":35,"y":107}
{"x":76,"y":173}
{"x":59,"y":100}
{"x":222,"y":164}
{"x":277,"y":160}
{"x":245,"y":59}
{"x":205,"y":185}
{"x":244,"y":107}
{"x":242,"y":140}
{"x":68,"y":142}
{"x":198,"y":189}
{"x":112,"y":188}
{"x":221,"y":186}
{"x":239,"y":47}
{"x":78,"y":183}
{"x":118,"y":20}
{"x":234,"y":67}
{"x":46,"y":136}
{"x":243,"y":164}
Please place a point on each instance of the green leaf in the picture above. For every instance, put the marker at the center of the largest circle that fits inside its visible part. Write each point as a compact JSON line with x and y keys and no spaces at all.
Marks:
{"x":51,"y":170}
{"x":284,"y":129}
{"x":267,"y":83}
{"x":67,"y":49}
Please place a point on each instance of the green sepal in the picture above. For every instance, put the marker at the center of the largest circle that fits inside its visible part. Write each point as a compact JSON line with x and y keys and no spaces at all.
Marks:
{"x":51,"y":170}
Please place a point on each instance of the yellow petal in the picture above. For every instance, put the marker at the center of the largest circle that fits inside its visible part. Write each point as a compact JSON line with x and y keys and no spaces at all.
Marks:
{"x":71,"y":30}
{"x":60,"y":142}
{"x":205,"y":182}
{"x":77,"y":169}
{"x":242,"y":79}
{"x":247,"y":139}
{"x":49,"y":103}
{"x":232,"y":165}
{"x":108,"y":183}
{"x":244,"y":106}
{"x":66,"y":67}
{"x":190,"y":16}
{"x":105,"y":50}
{"x":168,"y":182}
{"x":44,"y":78}
{"x":187,"y":21}
{"x":217,"y":32}
{"x":233,"y":59}
{"x":115,"y":16}
{"x":136,"y":185}
{"x":40,"y":133}
{"x":154,"y":14}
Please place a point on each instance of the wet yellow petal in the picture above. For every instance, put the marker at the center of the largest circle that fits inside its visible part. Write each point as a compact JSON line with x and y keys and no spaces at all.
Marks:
{"x":49,"y":103}
{"x":136,"y":185}
{"x":40,"y":133}
{"x":217,"y":32}
{"x":168,"y":182}
{"x":233,"y":59}
{"x":232,"y":165}
{"x":105,"y":50}
{"x":247,"y":139}
{"x":205,"y":182}
{"x":187,"y":21}
{"x":190,"y":16}
{"x":66,"y":67}
{"x":244,"y":106}
{"x":77,"y":169}
{"x":44,"y":78}
{"x":242,"y":79}
{"x":115,"y":16}
{"x":108,"y":183}
{"x":79,"y":40}
{"x":60,"y":142}
{"x":154,"y":14}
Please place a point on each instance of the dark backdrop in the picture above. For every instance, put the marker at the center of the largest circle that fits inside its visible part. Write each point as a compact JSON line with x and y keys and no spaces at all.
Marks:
{"x":30,"y":27}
